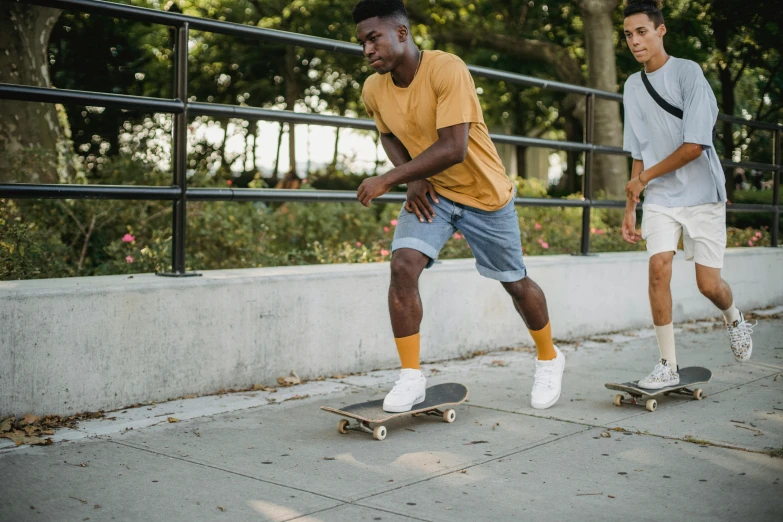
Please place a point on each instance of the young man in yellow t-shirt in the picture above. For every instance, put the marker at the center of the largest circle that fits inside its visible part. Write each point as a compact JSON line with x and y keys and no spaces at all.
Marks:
{"x":425,"y":106}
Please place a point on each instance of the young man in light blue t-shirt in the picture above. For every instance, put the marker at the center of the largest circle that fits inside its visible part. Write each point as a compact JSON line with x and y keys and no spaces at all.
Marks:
{"x":670,"y":111}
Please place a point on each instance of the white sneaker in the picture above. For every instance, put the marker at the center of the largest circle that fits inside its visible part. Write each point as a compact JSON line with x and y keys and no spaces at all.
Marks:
{"x":739,"y":335}
{"x":662,"y":375}
{"x":407,"y":392}
{"x":546,"y":385}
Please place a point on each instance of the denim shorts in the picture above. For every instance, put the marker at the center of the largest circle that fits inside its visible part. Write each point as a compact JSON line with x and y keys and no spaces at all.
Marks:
{"x":493,"y":237}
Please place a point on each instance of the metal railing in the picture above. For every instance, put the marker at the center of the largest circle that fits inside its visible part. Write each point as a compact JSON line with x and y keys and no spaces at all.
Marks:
{"x":182,"y":109}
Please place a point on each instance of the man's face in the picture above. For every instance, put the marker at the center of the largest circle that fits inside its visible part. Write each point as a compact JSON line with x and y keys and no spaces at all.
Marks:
{"x":383,"y":42}
{"x":643,"y":39}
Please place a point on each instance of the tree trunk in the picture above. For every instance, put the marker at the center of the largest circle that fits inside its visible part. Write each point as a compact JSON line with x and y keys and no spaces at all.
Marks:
{"x":24,"y":37}
{"x":336,"y":144}
{"x":609,"y":172}
{"x":721,"y":31}
{"x":276,"y":171}
{"x":291,"y":179}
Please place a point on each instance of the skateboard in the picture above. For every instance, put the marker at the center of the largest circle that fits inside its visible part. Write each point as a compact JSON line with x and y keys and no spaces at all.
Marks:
{"x":368,"y":417}
{"x":688,"y":377}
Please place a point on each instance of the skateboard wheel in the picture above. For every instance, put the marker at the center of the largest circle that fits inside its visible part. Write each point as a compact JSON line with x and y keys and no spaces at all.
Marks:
{"x":618,"y":400}
{"x":379,"y":433}
{"x":342,"y":425}
{"x":698,"y":394}
{"x":449,"y":415}
{"x":651,"y":405}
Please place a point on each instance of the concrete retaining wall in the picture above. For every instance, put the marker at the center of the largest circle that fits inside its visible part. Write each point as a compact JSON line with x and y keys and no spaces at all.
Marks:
{"x":70,"y":345}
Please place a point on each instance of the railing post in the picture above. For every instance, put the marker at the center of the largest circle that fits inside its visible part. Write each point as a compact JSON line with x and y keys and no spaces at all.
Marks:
{"x":778,"y":162}
{"x":180,"y":154}
{"x":587,"y":182}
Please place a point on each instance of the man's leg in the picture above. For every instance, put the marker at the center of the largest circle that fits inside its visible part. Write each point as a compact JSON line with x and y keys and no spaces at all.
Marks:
{"x":415,"y":247}
{"x":495,"y":241}
{"x":659,"y":289}
{"x":530,"y":303}
{"x":714,"y":288}
{"x":405,"y":307}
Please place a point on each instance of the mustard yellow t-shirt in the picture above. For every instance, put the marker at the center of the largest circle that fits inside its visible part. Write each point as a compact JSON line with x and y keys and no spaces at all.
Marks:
{"x":442,"y":94}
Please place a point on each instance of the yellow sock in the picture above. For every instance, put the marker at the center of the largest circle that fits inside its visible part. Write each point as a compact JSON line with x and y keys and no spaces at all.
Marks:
{"x":543,"y":340}
{"x":408,"y":348}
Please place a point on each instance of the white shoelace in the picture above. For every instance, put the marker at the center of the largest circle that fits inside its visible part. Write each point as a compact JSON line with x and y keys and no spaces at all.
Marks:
{"x":660,"y":373}
{"x":740,"y":333}
{"x":544,"y":375}
{"x":404,"y":386}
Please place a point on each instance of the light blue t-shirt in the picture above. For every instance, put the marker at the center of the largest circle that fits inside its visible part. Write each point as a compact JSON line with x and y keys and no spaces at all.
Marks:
{"x":651,"y":134}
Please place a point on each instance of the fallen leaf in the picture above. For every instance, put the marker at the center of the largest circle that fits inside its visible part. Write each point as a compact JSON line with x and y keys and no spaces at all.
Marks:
{"x":30,"y":419}
{"x":172,"y":419}
{"x":296,"y":398}
{"x":463,"y":471}
{"x":221,"y":508}
{"x":329,"y":458}
{"x":6,"y":424}
{"x":80,"y":500}
{"x":606,"y":435}
{"x":476,"y":442}
{"x":498,"y":362}
{"x":610,"y":496}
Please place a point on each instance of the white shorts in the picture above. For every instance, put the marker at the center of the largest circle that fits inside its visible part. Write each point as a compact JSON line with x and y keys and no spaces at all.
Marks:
{"x":703,"y":230}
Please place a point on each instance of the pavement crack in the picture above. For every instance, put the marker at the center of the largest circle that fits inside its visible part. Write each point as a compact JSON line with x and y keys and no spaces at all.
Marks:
{"x":232,"y":472}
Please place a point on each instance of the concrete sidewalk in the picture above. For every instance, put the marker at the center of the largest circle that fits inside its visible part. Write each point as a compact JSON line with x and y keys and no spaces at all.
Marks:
{"x":276,"y":456}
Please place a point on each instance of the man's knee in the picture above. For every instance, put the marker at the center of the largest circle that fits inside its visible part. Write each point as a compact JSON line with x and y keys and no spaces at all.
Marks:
{"x":407,"y":265}
{"x":660,"y":269}
{"x":709,"y":287}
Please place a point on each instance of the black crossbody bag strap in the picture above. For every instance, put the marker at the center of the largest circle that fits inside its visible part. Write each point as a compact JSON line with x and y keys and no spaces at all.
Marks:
{"x":668,"y":107}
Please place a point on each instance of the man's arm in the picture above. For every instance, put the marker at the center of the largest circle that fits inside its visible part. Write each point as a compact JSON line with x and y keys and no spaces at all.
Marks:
{"x":449,"y":150}
{"x":636,"y":170}
{"x":686,"y":153}
{"x":395,"y":150}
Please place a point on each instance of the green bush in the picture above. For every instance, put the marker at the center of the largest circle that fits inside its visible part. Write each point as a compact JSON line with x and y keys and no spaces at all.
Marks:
{"x":50,"y":238}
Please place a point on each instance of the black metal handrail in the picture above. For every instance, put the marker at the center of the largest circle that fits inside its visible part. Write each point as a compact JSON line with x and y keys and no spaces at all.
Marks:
{"x":182,"y":109}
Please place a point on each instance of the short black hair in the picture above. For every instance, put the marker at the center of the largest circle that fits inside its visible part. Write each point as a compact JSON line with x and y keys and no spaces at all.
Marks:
{"x":381,"y":8}
{"x":652,"y":8}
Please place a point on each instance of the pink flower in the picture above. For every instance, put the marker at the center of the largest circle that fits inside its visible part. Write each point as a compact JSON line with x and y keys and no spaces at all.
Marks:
{"x":736,"y":244}
{"x":537,"y":226}
{"x":129,"y":259}
{"x":750,"y":243}
{"x":358,"y":243}
{"x":600,"y":232}
{"x":384,"y":253}
{"x":393,"y":222}
{"x":127,"y":238}
{"x":229,"y":182}
{"x":544,"y":244}
{"x":385,"y":229}
{"x":592,"y":231}
{"x":457,"y":235}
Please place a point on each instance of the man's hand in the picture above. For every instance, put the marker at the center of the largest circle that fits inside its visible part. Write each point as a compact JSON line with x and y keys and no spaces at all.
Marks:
{"x":417,"y":201}
{"x":633,"y":188}
{"x":630,"y":234}
{"x":371,"y":188}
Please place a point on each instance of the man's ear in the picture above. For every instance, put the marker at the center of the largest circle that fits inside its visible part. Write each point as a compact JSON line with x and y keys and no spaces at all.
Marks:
{"x":402,"y":33}
{"x":661,"y":30}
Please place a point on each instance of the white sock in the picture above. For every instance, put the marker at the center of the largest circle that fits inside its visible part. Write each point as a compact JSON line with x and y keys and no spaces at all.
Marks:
{"x":732,"y":314}
{"x":665,"y":335}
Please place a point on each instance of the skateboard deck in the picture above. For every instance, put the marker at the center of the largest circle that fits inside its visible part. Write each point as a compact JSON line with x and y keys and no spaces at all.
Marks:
{"x":367,"y":414}
{"x":688,"y":377}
